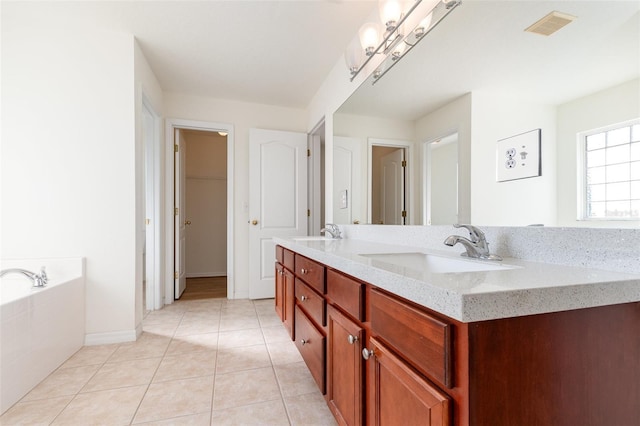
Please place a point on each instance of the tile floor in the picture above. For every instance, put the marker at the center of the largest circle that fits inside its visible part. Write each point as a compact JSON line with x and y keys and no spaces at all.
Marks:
{"x":199,"y":362}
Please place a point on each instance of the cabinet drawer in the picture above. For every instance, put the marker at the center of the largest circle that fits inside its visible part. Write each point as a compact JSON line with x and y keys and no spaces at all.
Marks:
{"x":288,"y":259}
{"x":279,"y":254}
{"x":312,"y":303}
{"x":311,"y":272}
{"x":422,"y":339}
{"x":311,"y":343}
{"x":346,"y":293}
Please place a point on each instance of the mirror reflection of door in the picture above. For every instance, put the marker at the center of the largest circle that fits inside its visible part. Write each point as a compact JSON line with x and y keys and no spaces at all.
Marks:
{"x":441,"y":166}
{"x":388,"y":195}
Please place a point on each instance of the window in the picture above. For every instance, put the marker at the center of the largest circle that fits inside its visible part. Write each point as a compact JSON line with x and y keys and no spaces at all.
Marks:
{"x":612,"y":172}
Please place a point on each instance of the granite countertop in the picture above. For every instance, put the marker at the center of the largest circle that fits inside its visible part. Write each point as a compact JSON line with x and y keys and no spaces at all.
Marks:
{"x":515,"y":288}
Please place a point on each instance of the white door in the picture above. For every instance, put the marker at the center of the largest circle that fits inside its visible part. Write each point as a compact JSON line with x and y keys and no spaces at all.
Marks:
{"x":392,"y":196}
{"x":180,"y":214}
{"x":348,"y":180}
{"x":148,"y":137}
{"x":277,"y":199}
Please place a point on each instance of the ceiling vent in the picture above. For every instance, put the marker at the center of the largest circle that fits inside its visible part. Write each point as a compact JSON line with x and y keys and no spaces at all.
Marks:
{"x":551,"y":23}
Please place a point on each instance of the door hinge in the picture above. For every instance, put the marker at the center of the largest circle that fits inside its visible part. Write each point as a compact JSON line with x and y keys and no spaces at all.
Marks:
{"x":308,"y":153}
{"x":404,"y":213}
{"x":308,"y":213}
{"x":404,"y":163}
{"x":147,"y":221}
{"x":175,"y":275}
{"x":175,"y":147}
{"x":176,"y":211}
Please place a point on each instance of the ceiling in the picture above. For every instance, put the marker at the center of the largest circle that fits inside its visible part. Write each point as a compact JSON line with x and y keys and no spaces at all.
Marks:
{"x":280,"y":52}
{"x":482,"y":46}
{"x":267,"y":52}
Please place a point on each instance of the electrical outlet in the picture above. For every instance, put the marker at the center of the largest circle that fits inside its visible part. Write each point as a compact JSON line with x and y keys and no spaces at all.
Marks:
{"x":518,"y":157}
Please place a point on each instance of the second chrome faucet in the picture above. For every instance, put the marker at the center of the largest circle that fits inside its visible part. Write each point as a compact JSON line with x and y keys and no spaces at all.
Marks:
{"x":476,"y":245}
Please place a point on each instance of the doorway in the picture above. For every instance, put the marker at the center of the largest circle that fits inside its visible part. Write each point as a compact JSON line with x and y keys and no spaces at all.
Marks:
{"x":203,"y":177}
{"x":205,"y":216}
{"x":388,"y":182}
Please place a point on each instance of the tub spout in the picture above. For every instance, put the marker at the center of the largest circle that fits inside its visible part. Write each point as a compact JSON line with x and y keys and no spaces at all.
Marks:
{"x":38,"y":280}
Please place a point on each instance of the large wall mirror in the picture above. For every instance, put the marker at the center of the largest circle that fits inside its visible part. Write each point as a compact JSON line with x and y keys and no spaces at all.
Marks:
{"x":478,"y":78}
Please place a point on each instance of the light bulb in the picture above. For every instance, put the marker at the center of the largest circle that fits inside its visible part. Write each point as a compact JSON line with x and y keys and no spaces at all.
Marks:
{"x":370,"y":36}
{"x":391,"y":12}
{"x":354,"y":56}
{"x":423,"y":26}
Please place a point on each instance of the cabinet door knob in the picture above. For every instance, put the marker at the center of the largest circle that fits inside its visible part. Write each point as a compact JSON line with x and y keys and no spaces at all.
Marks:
{"x":304,"y":271}
{"x":254,"y":222}
{"x":303,"y":341}
{"x":352,"y":339}
{"x":367,"y":353}
{"x":303,"y":298}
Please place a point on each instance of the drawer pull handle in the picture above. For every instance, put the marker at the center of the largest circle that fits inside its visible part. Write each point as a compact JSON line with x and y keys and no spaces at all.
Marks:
{"x":304,"y":271}
{"x":303,"y":341}
{"x":352,"y":339}
{"x":367,"y":353}
{"x":303,"y":298}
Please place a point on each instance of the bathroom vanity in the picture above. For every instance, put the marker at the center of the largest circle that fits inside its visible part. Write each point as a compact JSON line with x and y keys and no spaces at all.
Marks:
{"x":517,"y":343}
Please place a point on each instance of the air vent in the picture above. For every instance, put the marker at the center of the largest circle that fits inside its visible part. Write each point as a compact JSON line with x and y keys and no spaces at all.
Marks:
{"x":551,"y":23}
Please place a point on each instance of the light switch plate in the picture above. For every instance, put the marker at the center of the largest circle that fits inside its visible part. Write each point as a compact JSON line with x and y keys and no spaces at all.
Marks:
{"x":343,"y":199}
{"x":518,"y":157}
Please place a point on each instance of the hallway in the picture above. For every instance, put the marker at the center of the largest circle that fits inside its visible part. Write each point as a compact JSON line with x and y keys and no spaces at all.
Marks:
{"x":198,"y":362}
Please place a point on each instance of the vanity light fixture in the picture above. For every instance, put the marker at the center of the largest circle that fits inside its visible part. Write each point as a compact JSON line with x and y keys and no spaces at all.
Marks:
{"x":391,"y":38}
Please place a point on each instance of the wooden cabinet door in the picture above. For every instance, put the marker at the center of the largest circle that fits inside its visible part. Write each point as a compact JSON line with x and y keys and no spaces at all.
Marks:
{"x":279,"y":283}
{"x":289,"y":302}
{"x":345,"y":368}
{"x":400,"y":396}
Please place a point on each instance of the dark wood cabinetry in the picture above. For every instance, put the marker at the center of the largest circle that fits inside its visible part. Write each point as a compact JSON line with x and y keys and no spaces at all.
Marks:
{"x":311,"y":343}
{"x":401,"y":396}
{"x":284,"y":288}
{"x":577,"y":367}
{"x":345,"y":369}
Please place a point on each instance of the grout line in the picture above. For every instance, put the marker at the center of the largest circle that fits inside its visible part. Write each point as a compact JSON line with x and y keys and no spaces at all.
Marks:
{"x":275,"y":374}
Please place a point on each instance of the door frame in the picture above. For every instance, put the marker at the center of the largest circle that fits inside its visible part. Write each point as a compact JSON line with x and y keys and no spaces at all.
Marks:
{"x":395,"y":143}
{"x":315,"y":181}
{"x":170,"y":125}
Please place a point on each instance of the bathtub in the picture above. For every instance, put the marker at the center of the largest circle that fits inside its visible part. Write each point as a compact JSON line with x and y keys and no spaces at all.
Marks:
{"x":40,"y":328}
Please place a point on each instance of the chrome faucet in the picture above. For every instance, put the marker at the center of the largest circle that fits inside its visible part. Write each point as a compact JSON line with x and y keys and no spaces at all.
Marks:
{"x":476,"y":245}
{"x":38,"y":280}
{"x":333,"y":230}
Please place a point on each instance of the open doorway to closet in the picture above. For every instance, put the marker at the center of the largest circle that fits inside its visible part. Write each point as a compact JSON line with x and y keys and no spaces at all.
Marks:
{"x":175,"y":203}
{"x":204,"y":156}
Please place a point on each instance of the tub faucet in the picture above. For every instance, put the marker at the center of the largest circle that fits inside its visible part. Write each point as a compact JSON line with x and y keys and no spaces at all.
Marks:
{"x":38,"y":280}
{"x":476,"y":245}
{"x":332,"y":229}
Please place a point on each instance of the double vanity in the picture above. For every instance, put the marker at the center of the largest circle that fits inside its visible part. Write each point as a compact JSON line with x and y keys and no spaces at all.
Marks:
{"x":396,"y":334}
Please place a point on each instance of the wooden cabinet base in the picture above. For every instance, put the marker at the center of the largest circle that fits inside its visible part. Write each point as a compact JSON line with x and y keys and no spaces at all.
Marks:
{"x":401,"y":396}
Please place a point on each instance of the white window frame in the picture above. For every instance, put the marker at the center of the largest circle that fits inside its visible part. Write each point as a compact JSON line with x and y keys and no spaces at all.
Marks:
{"x":582,"y":171}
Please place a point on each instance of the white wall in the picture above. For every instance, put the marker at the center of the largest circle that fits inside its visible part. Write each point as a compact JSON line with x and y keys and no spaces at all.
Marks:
{"x":206,"y":204}
{"x":453,"y":117}
{"x":68,"y":159}
{"x":243,"y":116}
{"x":444,"y":188}
{"x":611,"y":106}
{"x":519,"y":202}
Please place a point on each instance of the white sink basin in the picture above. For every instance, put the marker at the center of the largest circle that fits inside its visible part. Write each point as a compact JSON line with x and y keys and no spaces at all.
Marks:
{"x":423,"y":262}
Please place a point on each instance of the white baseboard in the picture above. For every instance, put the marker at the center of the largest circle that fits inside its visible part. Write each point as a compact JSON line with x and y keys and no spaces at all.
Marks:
{"x":93,"y":339}
{"x":205,"y":274}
